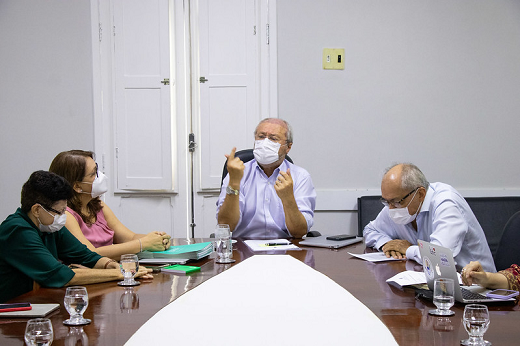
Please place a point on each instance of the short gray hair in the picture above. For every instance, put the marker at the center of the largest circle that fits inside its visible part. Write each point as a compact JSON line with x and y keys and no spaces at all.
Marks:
{"x":288,"y":128}
{"x":411,"y":176}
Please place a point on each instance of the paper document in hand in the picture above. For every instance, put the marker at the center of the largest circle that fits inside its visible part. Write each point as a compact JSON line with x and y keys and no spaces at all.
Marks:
{"x":407,"y":278}
{"x":375,"y":257}
{"x":270,"y":245}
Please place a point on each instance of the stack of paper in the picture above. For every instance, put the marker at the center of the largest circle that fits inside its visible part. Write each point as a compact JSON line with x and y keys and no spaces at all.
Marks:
{"x":190,"y":251}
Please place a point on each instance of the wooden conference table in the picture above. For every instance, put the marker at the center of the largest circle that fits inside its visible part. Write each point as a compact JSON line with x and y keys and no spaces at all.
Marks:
{"x":117,"y":312}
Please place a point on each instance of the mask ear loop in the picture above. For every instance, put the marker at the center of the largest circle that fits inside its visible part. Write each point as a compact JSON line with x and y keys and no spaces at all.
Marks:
{"x":418,"y":209}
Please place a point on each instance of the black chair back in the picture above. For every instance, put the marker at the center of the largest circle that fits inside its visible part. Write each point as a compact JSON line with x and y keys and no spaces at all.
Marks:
{"x":368,"y":209}
{"x":244,"y":155}
{"x":493,"y":213}
{"x":508,"y":251}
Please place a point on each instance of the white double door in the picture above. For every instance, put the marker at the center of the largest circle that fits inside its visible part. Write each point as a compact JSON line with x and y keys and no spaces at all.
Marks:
{"x":206,"y":67}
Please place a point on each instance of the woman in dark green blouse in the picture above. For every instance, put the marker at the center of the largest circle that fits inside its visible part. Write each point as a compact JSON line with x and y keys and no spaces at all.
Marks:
{"x":36,"y":248}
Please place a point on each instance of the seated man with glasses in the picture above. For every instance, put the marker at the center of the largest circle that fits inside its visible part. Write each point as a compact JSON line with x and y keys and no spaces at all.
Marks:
{"x":436,"y":213}
{"x":267,"y":197}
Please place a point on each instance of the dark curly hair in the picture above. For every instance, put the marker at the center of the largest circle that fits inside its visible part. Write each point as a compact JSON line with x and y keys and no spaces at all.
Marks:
{"x":72,"y":166}
{"x":44,"y":188}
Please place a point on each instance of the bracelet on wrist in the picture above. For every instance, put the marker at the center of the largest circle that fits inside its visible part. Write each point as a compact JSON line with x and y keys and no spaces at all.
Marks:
{"x":140,"y":245}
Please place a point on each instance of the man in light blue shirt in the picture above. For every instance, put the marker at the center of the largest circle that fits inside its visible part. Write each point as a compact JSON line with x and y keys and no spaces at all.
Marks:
{"x":267,"y":197}
{"x":436,"y":213}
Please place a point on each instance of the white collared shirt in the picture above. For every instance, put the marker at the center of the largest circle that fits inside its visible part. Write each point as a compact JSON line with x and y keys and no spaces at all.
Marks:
{"x":445,"y":219}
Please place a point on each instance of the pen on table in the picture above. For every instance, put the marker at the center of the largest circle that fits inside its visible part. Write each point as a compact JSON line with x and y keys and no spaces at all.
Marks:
{"x":276,"y":244}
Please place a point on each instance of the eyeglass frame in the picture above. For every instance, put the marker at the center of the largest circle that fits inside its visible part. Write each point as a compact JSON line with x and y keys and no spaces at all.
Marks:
{"x":398,"y":203}
{"x":48,"y":209}
{"x":273,"y":138}
{"x":97,"y":172}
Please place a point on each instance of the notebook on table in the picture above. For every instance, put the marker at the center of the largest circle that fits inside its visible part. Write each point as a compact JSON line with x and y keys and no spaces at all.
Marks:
{"x":322,"y":241}
{"x":438,"y":263}
{"x":38,"y":310}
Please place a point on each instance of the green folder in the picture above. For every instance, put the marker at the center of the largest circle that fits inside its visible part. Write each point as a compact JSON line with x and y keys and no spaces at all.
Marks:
{"x":180,"y":269}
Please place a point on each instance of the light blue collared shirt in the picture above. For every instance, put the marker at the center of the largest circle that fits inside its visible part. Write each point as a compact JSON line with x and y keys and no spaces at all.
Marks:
{"x":261,"y":210}
{"x":445,"y":219}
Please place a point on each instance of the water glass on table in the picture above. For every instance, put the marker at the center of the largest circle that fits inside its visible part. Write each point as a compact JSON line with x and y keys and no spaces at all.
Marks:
{"x":39,"y":332}
{"x":476,"y":323}
{"x":224,"y":244}
{"x":129,"y":265}
{"x":443,"y":297}
{"x":76,"y":302}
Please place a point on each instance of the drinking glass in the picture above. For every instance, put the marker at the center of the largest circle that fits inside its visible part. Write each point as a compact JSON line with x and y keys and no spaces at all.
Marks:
{"x":476,"y":322}
{"x":224,"y":244}
{"x":129,"y":265}
{"x":76,"y":302}
{"x":39,"y":332}
{"x":443,"y":297}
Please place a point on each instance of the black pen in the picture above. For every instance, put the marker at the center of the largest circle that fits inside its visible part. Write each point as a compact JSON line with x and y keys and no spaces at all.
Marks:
{"x":276,"y":244}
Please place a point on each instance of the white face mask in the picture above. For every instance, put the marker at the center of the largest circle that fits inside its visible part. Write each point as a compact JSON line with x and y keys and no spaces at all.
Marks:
{"x":99,"y":186}
{"x":266,"y":151}
{"x":56,"y":225}
{"x":401,"y":216}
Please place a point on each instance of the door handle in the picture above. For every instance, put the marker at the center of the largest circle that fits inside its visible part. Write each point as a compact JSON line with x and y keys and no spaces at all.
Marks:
{"x":166,"y":81}
{"x":203,"y":79}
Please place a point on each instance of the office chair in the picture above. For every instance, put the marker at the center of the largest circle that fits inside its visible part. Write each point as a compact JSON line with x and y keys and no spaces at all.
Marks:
{"x":368,"y":209}
{"x":508,"y":251}
{"x":244,"y":155}
{"x":493,"y":214}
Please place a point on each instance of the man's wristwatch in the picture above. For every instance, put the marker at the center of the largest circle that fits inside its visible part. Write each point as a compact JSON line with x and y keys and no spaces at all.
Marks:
{"x":232,"y":191}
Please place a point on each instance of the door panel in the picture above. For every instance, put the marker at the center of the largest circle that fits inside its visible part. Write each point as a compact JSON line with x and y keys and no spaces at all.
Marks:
{"x":228,"y":99}
{"x":142,"y":107}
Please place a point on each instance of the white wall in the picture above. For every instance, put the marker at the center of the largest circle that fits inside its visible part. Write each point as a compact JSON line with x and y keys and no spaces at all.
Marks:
{"x":45,"y":88}
{"x":431,"y":82}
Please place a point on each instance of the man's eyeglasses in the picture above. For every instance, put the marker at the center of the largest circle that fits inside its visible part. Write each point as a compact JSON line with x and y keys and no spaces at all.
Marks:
{"x":274,"y":138}
{"x":397,"y":204}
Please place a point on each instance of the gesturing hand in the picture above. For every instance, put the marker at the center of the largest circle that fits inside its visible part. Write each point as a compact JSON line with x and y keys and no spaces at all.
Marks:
{"x":284,"y":185}
{"x":235,"y":168}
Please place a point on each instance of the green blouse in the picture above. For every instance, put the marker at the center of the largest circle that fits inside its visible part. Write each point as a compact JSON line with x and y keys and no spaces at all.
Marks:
{"x":27,"y":255}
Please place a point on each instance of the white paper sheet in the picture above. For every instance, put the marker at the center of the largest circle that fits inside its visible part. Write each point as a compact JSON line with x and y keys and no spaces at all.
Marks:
{"x":408,"y":277}
{"x":265,"y":300}
{"x":261,"y":245}
{"x":375,"y":257}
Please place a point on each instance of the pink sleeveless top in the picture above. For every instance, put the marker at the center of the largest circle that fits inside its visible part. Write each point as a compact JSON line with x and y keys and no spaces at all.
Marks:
{"x":99,"y":234}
